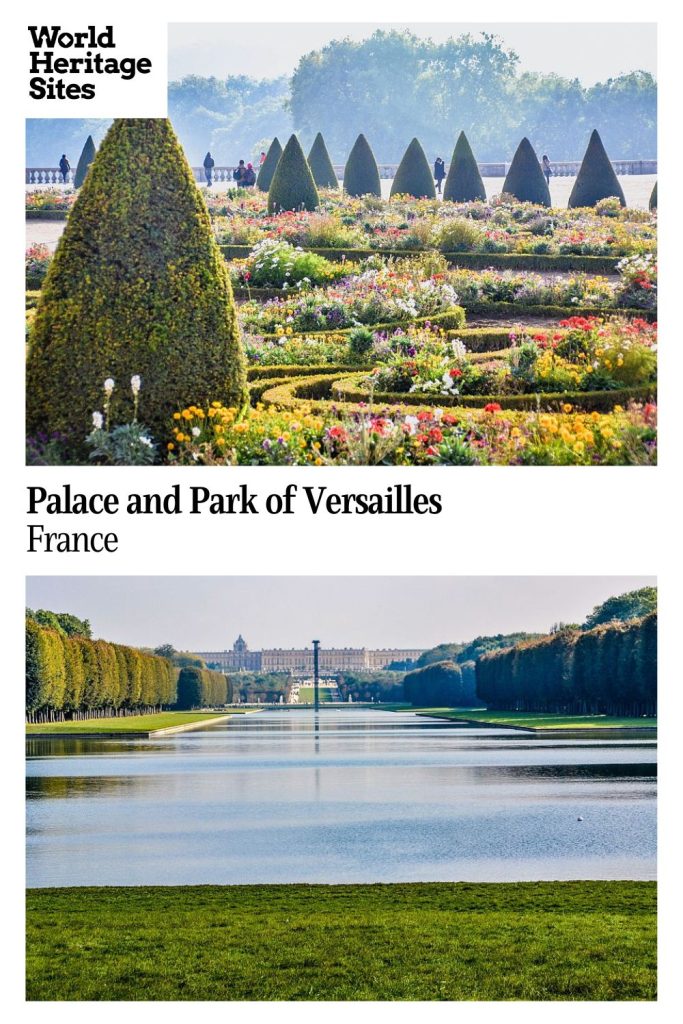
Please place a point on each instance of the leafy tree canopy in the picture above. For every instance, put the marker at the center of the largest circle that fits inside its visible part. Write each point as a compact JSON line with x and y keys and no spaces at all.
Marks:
{"x":633,"y":605}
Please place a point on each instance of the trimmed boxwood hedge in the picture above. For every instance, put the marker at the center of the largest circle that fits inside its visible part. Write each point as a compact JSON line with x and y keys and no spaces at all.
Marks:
{"x":525,"y":180}
{"x":586,"y":401}
{"x":469,"y":260}
{"x":267,"y":169}
{"x":452,"y":319}
{"x":361,"y":174}
{"x":321,"y":166}
{"x":141,"y":290}
{"x":292,"y":187}
{"x":596,"y":179}
{"x":413,"y":174}
{"x":86,"y":158}
{"x":463,"y":183}
{"x":46,"y":214}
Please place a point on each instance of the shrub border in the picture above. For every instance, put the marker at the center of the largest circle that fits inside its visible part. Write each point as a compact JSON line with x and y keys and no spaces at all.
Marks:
{"x":282,"y":393}
{"x":32,"y":214}
{"x":470,"y":260}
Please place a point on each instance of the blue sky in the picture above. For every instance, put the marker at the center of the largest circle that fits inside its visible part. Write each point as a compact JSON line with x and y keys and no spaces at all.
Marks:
{"x":207,"y":612}
{"x":590,"y":52}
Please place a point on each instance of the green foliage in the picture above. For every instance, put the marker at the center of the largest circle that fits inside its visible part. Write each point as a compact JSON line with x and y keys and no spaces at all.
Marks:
{"x":413,"y":174}
{"x":633,"y":605}
{"x":439,"y":684}
{"x":463,"y":183}
{"x":200,"y":688}
{"x":371,"y":687}
{"x":321,"y":166}
{"x":653,"y":198}
{"x":292,"y":187}
{"x":361,"y":340}
{"x":62,"y":622}
{"x":610,"y":669}
{"x":596,"y":178}
{"x":361,"y":175}
{"x":260,"y":687}
{"x":267,"y":169}
{"x":137,"y":286}
{"x":525,"y":180}
{"x":86,"y":158}
{"x":68,"y":671}
{"x":472,"y":650}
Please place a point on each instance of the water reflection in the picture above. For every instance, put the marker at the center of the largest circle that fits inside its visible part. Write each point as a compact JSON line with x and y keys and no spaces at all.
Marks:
{"x":345,"y":795}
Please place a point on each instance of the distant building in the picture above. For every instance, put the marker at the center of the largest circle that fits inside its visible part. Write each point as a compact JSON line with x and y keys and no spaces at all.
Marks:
{"x":299,"y":661}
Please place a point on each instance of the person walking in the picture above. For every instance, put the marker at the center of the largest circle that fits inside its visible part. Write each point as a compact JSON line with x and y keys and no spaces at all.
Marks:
{"x":64,"y":168}
{"x":439,"y":173}
{"x":209,"y":164}
{"x":262,"y":159}
{"x":546,"y":168}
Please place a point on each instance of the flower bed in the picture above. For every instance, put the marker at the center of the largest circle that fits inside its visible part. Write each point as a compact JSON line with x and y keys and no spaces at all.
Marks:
{"x":500,"y":227}
{"x":304,"y":435}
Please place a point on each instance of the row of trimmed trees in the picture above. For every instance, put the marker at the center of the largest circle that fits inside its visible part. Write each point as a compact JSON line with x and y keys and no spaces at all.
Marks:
{"x":201,"y":688}
{"x":440,"y":684}
{"x":292,"y":180}
{"x":611,"y":669}
{"x":73,"y":677}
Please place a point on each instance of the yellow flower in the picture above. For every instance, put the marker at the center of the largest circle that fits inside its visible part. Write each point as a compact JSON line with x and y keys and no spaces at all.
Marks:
{"x":176,"y":415}
{"x":567,"y":407}
{"x":170,"y":447}
{"x":618,"y":408}
{"x":515,"y":432}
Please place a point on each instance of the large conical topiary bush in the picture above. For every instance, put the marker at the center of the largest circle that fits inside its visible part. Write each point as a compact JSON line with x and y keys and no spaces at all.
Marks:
{"x":86,"y":158}
{"x":292,"y":187}
{"x":361,"y":176}
{"x":463,"y":183}
{"x":414,"y":175}
{"x":137,"y":285}
{"x":653,"y":198}
{"x":525,"y":179}
{"x":596,"y":178}
{"x":321,"y":166}
{"x":267,"y":170}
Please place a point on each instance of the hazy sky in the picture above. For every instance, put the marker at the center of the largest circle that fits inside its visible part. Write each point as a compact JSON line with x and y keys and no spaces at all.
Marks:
{"x":591,"y":52}
{"x":207,"y":612}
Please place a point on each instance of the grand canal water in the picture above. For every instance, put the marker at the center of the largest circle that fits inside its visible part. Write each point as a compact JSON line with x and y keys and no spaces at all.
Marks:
{"x":349,"y":795}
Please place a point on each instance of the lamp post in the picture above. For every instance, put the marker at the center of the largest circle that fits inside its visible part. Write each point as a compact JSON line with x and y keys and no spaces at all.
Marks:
{"x":316,"y":675}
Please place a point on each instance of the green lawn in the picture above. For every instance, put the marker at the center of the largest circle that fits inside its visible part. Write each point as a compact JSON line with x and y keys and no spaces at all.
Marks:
{"x":435,"y":941}
{"x":306,"y":695}
{"x":537,"y":721}
{"x":135,"y":723}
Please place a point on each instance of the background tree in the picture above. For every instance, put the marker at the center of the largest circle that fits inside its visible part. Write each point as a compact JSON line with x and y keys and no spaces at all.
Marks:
{"x":632,"y":605}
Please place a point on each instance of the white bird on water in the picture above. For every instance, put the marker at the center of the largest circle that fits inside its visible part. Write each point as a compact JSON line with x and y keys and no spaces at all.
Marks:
{"x":579,"y":818}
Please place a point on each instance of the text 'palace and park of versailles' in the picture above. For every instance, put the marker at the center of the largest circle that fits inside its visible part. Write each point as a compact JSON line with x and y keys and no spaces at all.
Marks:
{"x":400,"y":788}
{"x":382,"y":247}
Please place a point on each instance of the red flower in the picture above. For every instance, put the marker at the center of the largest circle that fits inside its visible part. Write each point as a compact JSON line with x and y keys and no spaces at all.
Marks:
{"x":492,"y":407}
{"x":455,"y":373}
{"x":435,"y":435}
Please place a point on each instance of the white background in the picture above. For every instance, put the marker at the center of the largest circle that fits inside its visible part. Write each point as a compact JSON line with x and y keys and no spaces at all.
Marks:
{"x":495,"y":521}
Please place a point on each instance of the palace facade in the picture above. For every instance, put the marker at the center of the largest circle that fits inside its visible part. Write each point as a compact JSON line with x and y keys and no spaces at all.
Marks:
{"x":299,"y":661}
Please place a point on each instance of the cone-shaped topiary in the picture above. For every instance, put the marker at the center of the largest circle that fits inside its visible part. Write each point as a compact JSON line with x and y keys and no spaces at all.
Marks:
{"x":653,"y":198}
{"x":292,"y":187}
{"x":321,"y":166}
{"x":463,"y":183}
{"x":525,"y":180}
{"x":86,"y":158}
{"x":414,"y":175}
{"x":265,"y":175}
{"x":137,"y":285}
{"x":361,"y":176}
{"x":596,"y":178}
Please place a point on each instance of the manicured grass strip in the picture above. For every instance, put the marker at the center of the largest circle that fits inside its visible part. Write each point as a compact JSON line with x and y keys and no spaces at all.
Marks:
{"x":437,"y":941}
{"x":307,"y":693}
{"x":134,"y":723}
{"x":532,"y":720}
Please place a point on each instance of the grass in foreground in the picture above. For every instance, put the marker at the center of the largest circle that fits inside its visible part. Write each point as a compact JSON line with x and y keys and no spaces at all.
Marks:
{"x":434,"y":941}
{"x":135,"y":723}
{"x":538,"y":721}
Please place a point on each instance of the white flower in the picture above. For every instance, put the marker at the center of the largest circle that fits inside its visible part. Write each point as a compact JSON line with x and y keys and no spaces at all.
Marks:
{"x":196,"y":431}
{"x":145,"y":440}
{"x":411,"y":423}
{"x":438,"y":413}
{"x":97,"y":420}
{"x":135,"y":383}
{"x":108,"y":386}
